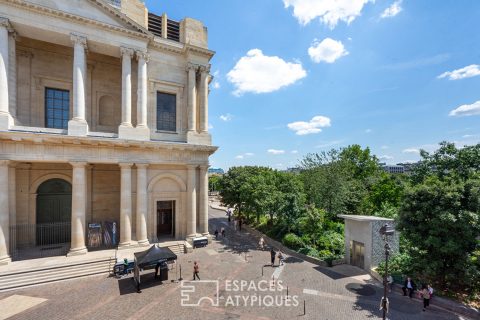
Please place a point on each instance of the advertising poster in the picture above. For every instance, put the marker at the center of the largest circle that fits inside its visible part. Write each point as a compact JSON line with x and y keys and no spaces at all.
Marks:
{"x":94,"y":235}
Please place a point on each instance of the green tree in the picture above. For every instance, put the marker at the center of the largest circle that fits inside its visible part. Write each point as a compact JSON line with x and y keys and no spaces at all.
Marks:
{"x":441,"y":220}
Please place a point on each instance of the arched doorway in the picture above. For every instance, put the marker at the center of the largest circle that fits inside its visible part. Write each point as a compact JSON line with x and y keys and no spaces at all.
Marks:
{"x":54,"y":212}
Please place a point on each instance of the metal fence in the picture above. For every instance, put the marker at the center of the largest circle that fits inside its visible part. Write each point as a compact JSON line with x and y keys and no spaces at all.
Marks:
{"x":29,"y":241}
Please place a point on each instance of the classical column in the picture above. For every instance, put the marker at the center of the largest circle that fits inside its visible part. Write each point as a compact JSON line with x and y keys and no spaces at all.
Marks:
{"x":12,"y":74}
{"x":79,"y":197}
{"x":12,"y":182}
{"x":191,"y":201}
{"x":78,"y":126}
{"x":203,"y":198}
{"x":127,"y":54}
{"x":125,"y":205}
{"x":142,"y":203}
{"x":4,"y":213}
{"x":204,"y":78}
{"x":5,"y":118}
{"x":192,"y":97}
{"x":142,"y":89}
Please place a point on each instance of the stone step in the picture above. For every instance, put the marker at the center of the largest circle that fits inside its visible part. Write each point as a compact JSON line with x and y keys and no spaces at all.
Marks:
{"x":53,"y":278}
{"x":57,"y":266}
{"x":36,"y":276}
{"x":55,"y":273}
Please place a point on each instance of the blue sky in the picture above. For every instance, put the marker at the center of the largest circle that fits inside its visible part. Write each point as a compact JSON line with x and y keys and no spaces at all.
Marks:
{"x":300,"y":76}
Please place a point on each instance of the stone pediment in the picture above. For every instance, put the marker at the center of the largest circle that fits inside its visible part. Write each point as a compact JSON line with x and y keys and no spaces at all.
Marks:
{"x":97,"y":10}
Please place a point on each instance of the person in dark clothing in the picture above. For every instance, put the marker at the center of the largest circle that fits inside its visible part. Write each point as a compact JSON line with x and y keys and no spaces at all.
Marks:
{"x":273,"y":254}
{"x":240,"y":221}
{"x":216,"y":234}
{"x":410,"y":286}
{"x":157,"y":268}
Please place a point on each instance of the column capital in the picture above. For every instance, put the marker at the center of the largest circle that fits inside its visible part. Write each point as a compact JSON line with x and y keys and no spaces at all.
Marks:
{"x":78,"y":40}
{"x":192,"y":66}
{"x":204,"y":69}
{"x":142,"y":55}
{"x":142,"y":165}
{"x":204,"y":167}
{"x":78,"y":164}
{"x":192,"y":166}
{"x":125,"y":165}
{"x":5,"y":23}
{"x":124,"y":51}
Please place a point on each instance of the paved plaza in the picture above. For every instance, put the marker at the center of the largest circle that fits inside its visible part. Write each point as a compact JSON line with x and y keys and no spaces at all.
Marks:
{"x":341,"y":292}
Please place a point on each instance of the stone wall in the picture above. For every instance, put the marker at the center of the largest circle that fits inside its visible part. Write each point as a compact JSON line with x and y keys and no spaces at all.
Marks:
{"x":378,"y":245}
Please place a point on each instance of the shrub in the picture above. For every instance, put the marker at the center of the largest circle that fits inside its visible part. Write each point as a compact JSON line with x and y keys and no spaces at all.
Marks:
{"x":309,"y":251}
{"x":292,"y":241}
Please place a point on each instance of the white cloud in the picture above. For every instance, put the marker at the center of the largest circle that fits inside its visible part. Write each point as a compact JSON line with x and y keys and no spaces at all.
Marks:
{"x":245,"y":155}
{"x":216,"y":84}
{"x":210,"y":127}
{"x":275,"y":151}
{"x":393,"y":10}
{"x":385,"y":157}
{"x":226,"y":117}
{"x":368,"y":130}
{"x":330,"y":12}
{"x":313,"y":126}
{"x":258,"y":73}
{"x":384,"y":147}
{"x":411,"y":150}
{"x":328,"y":50}
{"x":294,"y":151}
{"x":466,"y":110}
{"x":465,"y":72}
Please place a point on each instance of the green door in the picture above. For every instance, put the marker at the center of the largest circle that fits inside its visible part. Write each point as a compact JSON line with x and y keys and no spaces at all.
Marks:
{"x":54,"y":212}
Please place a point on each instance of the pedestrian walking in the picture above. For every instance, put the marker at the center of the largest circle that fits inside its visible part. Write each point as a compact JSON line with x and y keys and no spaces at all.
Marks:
{"x":425,"y":294}
{"x":223,"y":232}
{"x":229,"y":214}
{"x":196,"y":270}
{"x":216,"y":234}
{"x":273,"y":254}
{"x":240,"y":221}
{"x":390,"y":282}
{"x":235,"y":224}
{"x":280,"y":258}
{"x":261,"y":243}
{"x":409,"y":286}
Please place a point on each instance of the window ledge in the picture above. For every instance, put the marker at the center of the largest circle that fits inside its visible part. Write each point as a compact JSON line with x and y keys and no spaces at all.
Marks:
{"x":39,"y":130}
{"x":168,"y":132}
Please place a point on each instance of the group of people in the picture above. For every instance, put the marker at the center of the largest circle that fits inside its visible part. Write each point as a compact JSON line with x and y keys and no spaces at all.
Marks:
{"x":274,"y":254}
{"x":222,"y":232}
{"x":426,"y":292}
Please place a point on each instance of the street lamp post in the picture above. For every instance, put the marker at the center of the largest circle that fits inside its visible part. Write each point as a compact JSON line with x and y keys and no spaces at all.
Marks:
{"x":385,"y":231}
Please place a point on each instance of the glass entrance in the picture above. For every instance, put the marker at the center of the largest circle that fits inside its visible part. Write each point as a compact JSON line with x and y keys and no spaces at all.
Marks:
{"x":165,"y":218}
{"x":357,"y":254}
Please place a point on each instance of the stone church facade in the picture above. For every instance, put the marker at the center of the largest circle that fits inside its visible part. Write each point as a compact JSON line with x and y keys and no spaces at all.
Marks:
{"x":103,"y":118}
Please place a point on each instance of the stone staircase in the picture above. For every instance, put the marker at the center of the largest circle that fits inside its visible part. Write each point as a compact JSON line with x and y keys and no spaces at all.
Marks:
{"x":34,"y":276}
{"x":178,"y":249}
{"x":24,"y":278}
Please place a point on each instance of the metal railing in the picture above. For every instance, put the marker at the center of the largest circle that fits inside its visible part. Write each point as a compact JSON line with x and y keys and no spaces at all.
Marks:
{"x":29,"y":241}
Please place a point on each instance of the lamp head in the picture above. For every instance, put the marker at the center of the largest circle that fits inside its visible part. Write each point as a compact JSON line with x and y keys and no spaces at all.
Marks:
{"x":386,"y":230}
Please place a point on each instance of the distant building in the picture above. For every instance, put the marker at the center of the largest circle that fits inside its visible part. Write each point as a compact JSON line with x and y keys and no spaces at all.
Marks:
{"x":394,"y":168}
{"x":294,"y":170}
{"x":216,"y":171}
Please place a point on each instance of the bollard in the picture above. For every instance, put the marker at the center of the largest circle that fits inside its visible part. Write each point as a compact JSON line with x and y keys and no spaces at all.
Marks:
{"x":180,"y":279}
{"x":273,"y":281}
{"x":287,"y":291}
{"x":304,"y":313}
{"x":262,"y":271}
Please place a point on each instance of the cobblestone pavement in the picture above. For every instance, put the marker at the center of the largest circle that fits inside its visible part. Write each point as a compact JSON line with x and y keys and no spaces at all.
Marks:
{"x":341,"y":292}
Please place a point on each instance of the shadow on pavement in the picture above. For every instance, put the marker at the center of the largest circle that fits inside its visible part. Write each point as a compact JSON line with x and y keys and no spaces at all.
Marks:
{"x":127,"y":285}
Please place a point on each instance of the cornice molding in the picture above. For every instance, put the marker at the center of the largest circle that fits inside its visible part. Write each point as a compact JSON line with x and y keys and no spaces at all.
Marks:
{"x":72,"y":17}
